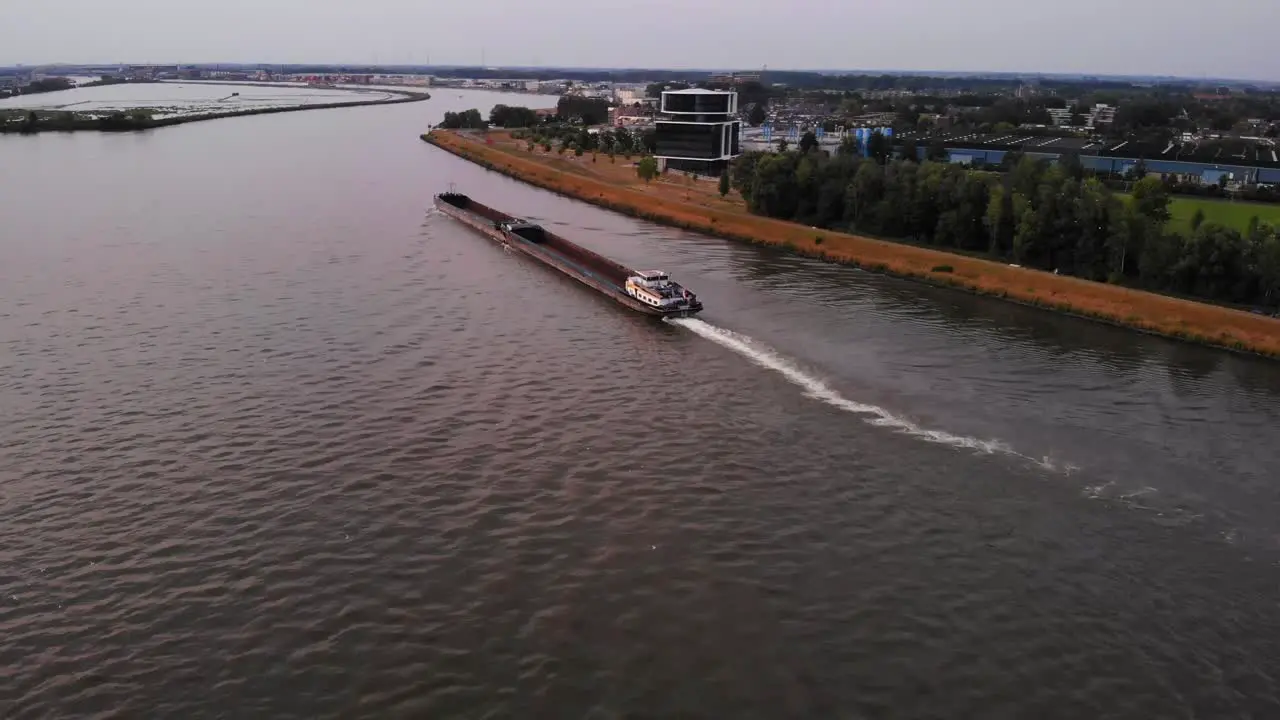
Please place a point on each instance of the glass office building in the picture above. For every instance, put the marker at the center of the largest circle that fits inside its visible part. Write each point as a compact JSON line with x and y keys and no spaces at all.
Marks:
{"x":698,"y":130}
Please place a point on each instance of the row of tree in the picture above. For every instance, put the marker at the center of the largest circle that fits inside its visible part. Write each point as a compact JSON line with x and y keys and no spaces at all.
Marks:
{"x":40,"y":86}
{"x":465,"y":120}
{"x":1143,"y":114}
{"x":1188,"y":112}
{"x":67,"y":121}
{"x":563,"y":137}
{"x":584,"y":110}
{"x":1039,"y":215}
{"x":507,"y":116}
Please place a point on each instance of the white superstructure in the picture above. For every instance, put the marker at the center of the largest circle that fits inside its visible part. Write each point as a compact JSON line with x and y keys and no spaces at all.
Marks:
{"x":654,"y":287}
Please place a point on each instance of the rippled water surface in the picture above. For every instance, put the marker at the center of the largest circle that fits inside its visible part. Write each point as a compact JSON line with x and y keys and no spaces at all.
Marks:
{"x":279,"y":441}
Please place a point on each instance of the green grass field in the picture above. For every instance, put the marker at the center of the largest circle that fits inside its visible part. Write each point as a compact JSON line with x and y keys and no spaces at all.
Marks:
{"x":1224,"y":212}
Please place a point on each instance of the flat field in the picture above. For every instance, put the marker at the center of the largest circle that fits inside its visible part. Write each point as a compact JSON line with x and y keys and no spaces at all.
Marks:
{"x":1231,"y":213}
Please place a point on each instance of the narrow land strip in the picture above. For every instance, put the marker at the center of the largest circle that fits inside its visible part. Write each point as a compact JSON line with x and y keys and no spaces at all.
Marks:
{"x":27,"y":122}
{"x":693,"y":205}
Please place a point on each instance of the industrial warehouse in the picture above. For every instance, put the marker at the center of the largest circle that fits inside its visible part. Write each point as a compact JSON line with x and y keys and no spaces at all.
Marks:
{"x":1243,"y":161}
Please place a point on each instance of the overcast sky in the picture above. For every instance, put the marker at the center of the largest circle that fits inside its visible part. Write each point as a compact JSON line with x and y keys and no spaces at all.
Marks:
{"x":1158,"y":37}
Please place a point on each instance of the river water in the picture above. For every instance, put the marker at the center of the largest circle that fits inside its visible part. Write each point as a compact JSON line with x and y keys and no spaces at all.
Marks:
{"x":280,"y":441}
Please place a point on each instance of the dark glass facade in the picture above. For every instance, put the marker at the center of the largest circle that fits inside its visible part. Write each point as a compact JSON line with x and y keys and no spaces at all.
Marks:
{"x":689,"y":141}
{"x":706,"y":168}
{"x":698,"y":132}
{"x":704,"y":104}
{"x":680,"y":140}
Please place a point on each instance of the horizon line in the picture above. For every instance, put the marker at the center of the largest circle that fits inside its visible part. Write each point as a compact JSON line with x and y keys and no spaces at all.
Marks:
{"x":763,"y":69}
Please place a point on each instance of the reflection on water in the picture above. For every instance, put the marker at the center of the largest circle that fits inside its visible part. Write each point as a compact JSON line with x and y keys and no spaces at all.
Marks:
{"x":1005,"y":322}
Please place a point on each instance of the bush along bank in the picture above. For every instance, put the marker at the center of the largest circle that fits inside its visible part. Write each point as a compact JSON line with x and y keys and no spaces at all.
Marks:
{"x":1148,"y":312}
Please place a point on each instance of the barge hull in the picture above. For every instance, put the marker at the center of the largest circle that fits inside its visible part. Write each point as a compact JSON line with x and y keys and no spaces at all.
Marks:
{"x":590,"y":268}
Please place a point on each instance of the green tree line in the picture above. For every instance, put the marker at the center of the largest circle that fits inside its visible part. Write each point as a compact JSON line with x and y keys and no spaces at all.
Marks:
{"x":507,"y":116}
{"x":1035,"y":214}
{"x":40,"y":86}
{"x":563,"y":137}
{"x":465,"y":120}
{"x":66,"y":121}
{"x":588,"y":111}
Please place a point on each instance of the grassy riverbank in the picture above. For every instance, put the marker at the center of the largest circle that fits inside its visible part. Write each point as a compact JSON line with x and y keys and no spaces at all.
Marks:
{"x":695,"y":205}
{"x":1234,"y":214}
{"x":28,"y":122}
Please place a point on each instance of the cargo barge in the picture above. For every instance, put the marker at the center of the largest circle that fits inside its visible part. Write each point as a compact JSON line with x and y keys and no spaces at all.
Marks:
{"x":651,"y":292}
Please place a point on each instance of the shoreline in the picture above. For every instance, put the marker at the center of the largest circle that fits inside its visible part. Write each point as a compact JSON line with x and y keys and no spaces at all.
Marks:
{"x":1151,"y":313}
{"x":131,"y":125}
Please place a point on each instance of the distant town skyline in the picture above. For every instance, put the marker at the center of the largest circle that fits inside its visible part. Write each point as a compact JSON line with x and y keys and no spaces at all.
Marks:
{"x":1099,"y":37}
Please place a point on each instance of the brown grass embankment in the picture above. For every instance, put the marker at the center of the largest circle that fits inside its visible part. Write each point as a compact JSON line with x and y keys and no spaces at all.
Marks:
{"x":696,"y":208}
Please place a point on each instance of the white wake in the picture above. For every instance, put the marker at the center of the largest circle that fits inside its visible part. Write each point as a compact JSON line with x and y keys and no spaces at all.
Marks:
{"x":818,"y":390}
